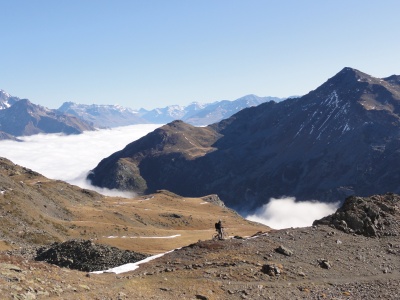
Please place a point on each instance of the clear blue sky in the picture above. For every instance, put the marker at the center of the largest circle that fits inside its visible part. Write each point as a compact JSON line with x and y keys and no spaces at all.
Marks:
{"x":152,"y":53}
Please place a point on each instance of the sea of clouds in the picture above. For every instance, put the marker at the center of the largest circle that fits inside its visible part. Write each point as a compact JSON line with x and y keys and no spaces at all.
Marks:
{"x":287,"y":212}
{"x":71,"y":157}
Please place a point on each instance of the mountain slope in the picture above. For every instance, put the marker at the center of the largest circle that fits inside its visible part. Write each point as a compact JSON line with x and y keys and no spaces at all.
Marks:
{"x":318,"y":262}
{"x":338,"y":140}
{"x":35,"y":210}
{"x":26,"y":118}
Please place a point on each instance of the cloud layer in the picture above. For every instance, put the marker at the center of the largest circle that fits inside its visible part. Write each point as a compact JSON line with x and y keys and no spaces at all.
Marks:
{"x":286,"y":212}
{"x":70,"y":158}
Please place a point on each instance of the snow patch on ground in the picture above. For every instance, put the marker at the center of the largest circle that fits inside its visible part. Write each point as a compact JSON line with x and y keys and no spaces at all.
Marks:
{"x":144,"y":237}
{"x":131,"y":266}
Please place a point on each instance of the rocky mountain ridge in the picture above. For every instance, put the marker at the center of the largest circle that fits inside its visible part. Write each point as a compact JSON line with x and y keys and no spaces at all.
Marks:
{"x":338,"y":140}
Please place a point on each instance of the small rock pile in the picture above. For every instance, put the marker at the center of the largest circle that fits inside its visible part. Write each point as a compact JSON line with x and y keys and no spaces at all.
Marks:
{"x":374,"y":216}
{"x":84,"y":255}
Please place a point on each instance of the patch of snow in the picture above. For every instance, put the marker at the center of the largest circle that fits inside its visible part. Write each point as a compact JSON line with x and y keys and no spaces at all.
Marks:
{"x":132,"y":266}
{"x":155,"y":237}
{"x":301,"y":128}
{"x":346,"y":128}
{"x":143,"y":237}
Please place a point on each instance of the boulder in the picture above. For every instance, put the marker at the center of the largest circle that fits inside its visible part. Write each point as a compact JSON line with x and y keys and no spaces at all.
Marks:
{"x":374,"y":216}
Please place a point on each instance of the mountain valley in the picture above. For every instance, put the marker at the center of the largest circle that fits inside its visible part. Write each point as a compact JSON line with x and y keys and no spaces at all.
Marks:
{"x":339,"y":140}
{"x":338,"y":143}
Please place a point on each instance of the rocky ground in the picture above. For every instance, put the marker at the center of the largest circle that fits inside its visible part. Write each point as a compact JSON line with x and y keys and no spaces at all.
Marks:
{"x":353,"y":254}
{"x":317,"y":262}
{"x":86,"y":256}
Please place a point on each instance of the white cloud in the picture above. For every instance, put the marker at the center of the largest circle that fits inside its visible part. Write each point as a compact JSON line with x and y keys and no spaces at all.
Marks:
{"x":286,"y":212}
{"x":71,"y":157}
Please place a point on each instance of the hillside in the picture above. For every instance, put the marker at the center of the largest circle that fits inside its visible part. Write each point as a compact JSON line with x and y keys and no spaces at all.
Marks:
{"x":37,"y":211}
{"x":319,"y":262}
{"x":338,"y":140}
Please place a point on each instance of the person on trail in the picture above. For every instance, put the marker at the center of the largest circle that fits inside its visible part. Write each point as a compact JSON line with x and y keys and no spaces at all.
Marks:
{"x":218,"y":228}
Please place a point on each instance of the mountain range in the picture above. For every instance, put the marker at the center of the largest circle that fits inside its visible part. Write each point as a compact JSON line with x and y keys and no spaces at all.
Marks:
{"x":104,"y":116}
{"x":28,"y":118}
{"x":338,"y":140}
{"x":20,"y":117}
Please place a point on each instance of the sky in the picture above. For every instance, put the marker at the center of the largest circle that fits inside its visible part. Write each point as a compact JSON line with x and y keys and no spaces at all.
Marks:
{"x":71,"y":157}
{"x":154,"y":53}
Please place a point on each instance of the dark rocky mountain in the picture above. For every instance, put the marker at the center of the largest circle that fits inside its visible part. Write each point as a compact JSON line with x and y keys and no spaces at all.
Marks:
{"x":26,"y":118}
{"x":338,"y":140}
{"x":103,"y":116}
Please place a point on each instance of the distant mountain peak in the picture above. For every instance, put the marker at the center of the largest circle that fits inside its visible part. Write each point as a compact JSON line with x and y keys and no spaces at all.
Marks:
{"x":3,"y":93}
{"x":6,"y":100}
{"x":25,"y":118}
{"x":350,"y":74}
{"x":394,"y":79}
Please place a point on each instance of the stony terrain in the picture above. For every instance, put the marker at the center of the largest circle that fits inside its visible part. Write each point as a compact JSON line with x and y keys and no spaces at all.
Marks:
{"x":319,"y":262}
{"x":375,"y":216}
{"x":85,"y":255}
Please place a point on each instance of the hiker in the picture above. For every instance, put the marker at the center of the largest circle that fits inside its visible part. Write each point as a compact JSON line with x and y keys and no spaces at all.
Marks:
{"x":218,"y":228}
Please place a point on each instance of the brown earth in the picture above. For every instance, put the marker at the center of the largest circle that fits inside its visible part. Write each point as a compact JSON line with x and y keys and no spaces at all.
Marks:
{"x":319,"y":262}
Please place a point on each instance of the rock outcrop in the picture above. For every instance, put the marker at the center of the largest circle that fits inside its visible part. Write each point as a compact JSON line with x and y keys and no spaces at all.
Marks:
{"x":84,"y":255}
{"x":373,"y":216}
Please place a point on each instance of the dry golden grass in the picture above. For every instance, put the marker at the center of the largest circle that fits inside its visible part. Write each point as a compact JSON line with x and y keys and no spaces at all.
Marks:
{"x":144,"y":223}
{"x":41,"y":211}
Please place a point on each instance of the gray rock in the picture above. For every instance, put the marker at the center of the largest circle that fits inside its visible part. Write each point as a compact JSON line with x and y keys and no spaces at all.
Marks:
{"x":326,"y":264}
{"x":283,"y":250}
{"x":272,"y":269}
